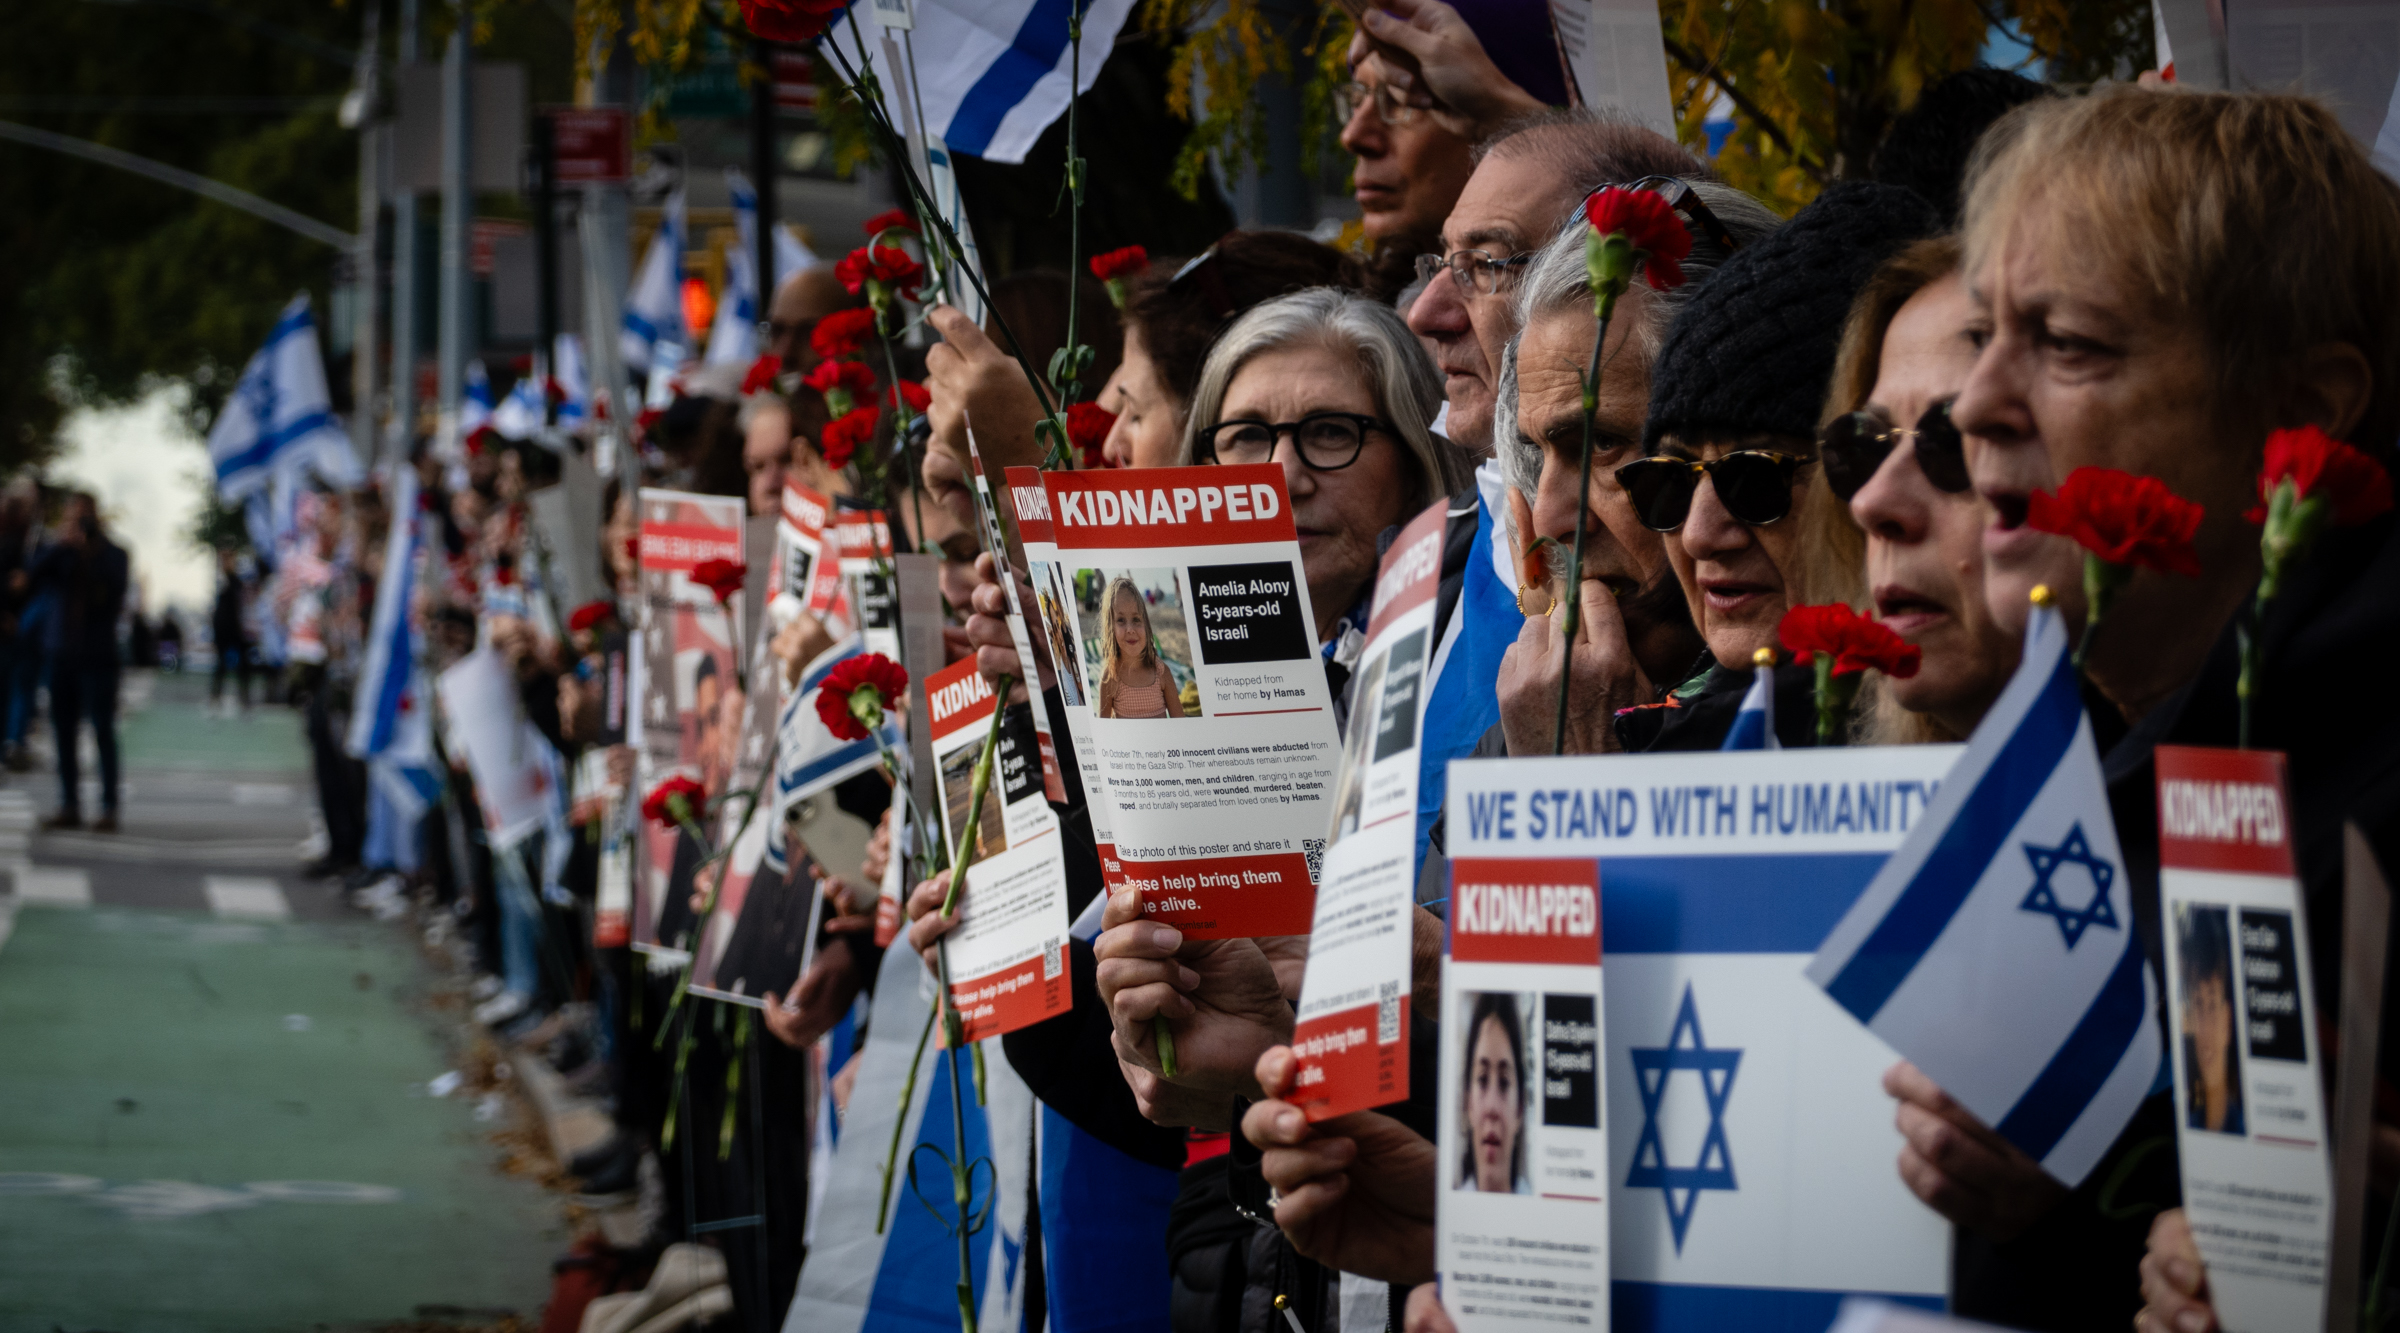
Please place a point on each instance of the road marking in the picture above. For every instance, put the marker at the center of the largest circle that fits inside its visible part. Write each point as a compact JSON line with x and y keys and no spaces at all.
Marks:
{"x":51,"y":887}
{"x":261,"y":793}
{"x":245,"y":895}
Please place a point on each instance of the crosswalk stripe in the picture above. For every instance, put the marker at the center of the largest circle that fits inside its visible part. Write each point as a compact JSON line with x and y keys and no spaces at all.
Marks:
{"x":246,"y":896}
{"x":52,"y":887}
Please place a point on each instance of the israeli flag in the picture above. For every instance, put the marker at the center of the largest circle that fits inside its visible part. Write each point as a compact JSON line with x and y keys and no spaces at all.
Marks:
{"x":279,"y":414}
{"x":384,"y":678}
{"x":1754,"y":725}
{"x":1463,"y":701}
{"x":1104,"y":1232}
{"x":519,"y":416}
{"x":474,"y":400}
{"x":990,"y":76}
{"x":574,"y":379}
{"x":733,"y":339}
{"x":1968,"y":952}
{"x":790,"y":255}
{"x":654,"y":308}
{"x":808,"y":756}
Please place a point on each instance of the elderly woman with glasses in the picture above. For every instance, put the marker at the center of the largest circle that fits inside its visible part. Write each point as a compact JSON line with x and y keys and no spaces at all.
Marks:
{"x":1734,"y":403}
{"x":1335,"y":388}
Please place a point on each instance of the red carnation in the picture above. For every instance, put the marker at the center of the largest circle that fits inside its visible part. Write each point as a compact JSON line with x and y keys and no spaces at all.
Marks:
{"x":857,"y":691}
{"x":2319,"y":465}
{"x":659,"y":805}
{"x":842,"y":333}
{"x":1649,"y":225}
{"x":793,"y":21}
{"x":482,"y":438}
{"x":2123,"y":519}
{"x":849,"y":377}
{"x":721,"y":577}
{"x":881,"y":271}
{"x":1120,"y":263}
{"x":914,"y":396}
{"x":647,"y":419}
{"x":1854,"y":642}
{"x":762,"y":374}
{"x":1088,"y":425}
{"x":847,"y":434}
{"x":891,"y":219}
{"x":590,"y":614}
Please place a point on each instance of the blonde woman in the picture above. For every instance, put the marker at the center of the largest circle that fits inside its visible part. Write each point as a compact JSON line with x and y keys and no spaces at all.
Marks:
{"x":1133,"y":681}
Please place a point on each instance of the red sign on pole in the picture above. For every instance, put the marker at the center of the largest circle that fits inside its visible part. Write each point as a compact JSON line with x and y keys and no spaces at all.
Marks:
{"x":795,"y":82}
{"x":592,"y":145}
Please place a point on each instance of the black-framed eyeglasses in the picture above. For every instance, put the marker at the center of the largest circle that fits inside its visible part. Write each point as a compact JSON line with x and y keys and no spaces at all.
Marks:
{"x":1681,"y":197}
{"x":1754,"y":485}
{"x":1389,"y":106}
{"x":1855,"y":444}
{"x":1475,"y":271}
{"x":1328,"y":441}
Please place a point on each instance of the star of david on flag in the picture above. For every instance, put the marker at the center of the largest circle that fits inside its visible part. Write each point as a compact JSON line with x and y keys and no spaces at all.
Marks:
{"x":1653,"y":1067}
{"x":1953,"y":957}
{"x":2043,"y":897}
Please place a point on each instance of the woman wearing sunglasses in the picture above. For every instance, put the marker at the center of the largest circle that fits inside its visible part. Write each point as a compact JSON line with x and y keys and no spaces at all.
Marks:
{"x":1894,"y":474}
{"x":1735,"y":398}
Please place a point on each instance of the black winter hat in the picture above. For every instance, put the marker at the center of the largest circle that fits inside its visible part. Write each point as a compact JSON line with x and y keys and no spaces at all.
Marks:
{"x":1752,"y":353}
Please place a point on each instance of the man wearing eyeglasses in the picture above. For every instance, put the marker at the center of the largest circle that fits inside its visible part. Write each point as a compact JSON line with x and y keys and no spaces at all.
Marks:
{"x":1527,"y":182}
{"x":800,"y":301}
{"x":1430,"y":80}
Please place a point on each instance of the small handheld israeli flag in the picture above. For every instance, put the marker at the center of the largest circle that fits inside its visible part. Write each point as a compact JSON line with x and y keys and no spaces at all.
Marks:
{"x":654,"y":308}
{"x":475,"y":399}
{"x":279,"y":413}
{"x":1997,"y":948}
{"x":1754,"y":725}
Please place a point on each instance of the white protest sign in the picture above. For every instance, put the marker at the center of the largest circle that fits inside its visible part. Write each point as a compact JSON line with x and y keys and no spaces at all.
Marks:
{"x":1750,"y":1142}
{"x":2249,"y":1100}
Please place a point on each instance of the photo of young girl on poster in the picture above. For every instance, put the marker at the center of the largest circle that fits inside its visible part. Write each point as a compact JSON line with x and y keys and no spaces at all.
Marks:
{"x":1495,"y":1095}
{"x":1136,"y":632}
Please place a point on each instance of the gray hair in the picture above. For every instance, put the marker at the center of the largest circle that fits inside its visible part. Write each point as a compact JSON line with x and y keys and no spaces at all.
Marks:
{"x":1407,"y":388}
{"x":1558,"y":279}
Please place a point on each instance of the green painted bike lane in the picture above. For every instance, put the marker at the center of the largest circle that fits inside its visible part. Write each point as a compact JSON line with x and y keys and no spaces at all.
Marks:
{"x":215,"y":1125}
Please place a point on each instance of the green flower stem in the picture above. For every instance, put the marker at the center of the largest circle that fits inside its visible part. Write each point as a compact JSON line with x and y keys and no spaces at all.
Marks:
{"x":2292,"y":526}
{"x":1834,"y":695}
{"x":733,"y":1082}
{"x":2101,"y":580}
{"x":908,"y":1093}
{"x":862,"y":86}
{"x":970,"y":842}
{"x":961,"y":1191}
{"x":1583,"y":509}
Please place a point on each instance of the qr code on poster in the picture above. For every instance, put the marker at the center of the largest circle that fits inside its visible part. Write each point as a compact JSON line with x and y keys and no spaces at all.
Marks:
{"x":1387,"y":1013}
{"x":1314,"y":850}
{"x":1052,"y":962}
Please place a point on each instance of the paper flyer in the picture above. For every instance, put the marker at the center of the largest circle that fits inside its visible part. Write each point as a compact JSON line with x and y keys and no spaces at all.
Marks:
{"x":1006,"y":955}
{"x":1054,"y":619}
{"x":2249,"y":1100}
{"x":738,"y":872}
{"x":800,"y":547}
{"x":687,"y":671}
{"x":1750,"y":1143}
{"x":513,"y":764}
{"x":1197,"y":648}
{"x":987,"y":514}
{"x":1352,"y":1031}
{"x":866,"y":571}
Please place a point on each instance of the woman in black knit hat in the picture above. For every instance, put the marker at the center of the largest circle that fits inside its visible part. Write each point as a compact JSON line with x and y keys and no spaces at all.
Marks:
{"x":1734,"y":400}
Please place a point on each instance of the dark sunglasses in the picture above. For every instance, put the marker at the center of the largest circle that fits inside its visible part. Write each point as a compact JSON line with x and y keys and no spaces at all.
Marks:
{"x":1855,"y":444}
{"x":1754,"y":485}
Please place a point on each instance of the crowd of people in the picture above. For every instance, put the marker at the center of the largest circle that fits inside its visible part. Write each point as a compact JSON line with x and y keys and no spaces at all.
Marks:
{"x":1854,"y":405}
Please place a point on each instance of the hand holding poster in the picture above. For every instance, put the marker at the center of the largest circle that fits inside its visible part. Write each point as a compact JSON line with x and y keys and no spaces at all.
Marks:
{"x":1196,"y":646}
{"x":1054,"y":618}
{"x":1006,"y":957}
{"x":2250,"y":1114}
{"x":1352,"y":1032}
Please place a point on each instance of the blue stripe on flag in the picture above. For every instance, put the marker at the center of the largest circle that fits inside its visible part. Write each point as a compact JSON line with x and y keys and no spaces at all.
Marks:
{"x":854,"y":753}
{"x":1637,"y":1307}
{"x":1728,"y":904}
{"x":639,"y":327}
{"x":916,"y":1285}
{"x":1464,"y":700}
{"x":1951,"y":870}
{"x":272,"y":443}
{"x":1032,"y":53}
{"x":1104,"y":1234}
{"x":2083,"y":1062}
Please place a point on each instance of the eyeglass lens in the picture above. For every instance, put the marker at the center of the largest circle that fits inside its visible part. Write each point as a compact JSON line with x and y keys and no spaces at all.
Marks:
{"x":1328,"y":441}
{"x":1857,"y":443}
{"x":1754,"y":486}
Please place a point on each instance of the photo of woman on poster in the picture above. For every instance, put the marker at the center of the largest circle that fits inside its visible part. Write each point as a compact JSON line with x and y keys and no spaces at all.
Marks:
{"x":1134,"y":680}
{"x":1056,"y":614}
{"x":2212,"y":1069}
{"x":1495,"y":1096}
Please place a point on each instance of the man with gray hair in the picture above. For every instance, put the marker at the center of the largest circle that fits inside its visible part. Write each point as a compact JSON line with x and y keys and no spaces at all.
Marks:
{"x":1633,"y":628}
{"x":1528,"y":178}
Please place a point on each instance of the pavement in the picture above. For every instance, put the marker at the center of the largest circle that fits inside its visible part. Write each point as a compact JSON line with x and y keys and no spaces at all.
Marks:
{"x":223,"y":1102}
